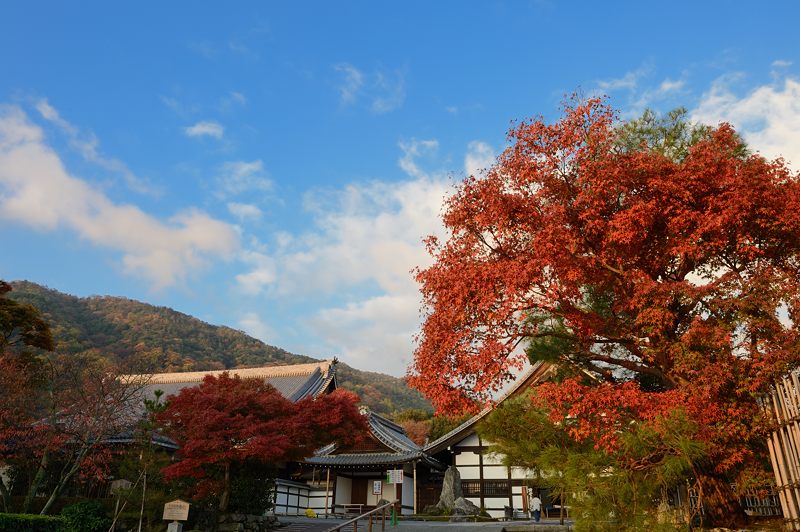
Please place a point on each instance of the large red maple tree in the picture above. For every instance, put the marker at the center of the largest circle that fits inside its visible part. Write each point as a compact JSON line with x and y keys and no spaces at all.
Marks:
{"x":228,"y":421}
{"x":658,"y":268}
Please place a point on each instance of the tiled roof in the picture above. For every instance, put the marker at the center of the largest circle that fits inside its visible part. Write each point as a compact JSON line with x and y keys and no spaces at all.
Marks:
{"x":387,"y":432}
{"x":535,"y":374}
{"x":155,"y":438}
{"x":363,"y":459}
{"x":294,"y":382}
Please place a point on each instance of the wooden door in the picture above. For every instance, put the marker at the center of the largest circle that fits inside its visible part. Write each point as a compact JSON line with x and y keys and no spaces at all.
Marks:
{"x":359,"y":493}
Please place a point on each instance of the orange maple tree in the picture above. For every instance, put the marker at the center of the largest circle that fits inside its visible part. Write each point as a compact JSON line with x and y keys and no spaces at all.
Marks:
{"x":228,"y":421}
{"x":657,"y":272}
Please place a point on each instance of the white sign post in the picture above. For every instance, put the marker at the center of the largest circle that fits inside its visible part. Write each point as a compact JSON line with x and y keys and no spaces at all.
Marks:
{"x":175,"y":511}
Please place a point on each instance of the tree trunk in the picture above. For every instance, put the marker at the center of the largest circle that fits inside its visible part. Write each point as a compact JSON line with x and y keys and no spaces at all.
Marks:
{"x":36,"y":482}
{"x":6,"y":497}
{"x":226,"y":489}
{"x":66,"y":476}
{"x":721,"y":506}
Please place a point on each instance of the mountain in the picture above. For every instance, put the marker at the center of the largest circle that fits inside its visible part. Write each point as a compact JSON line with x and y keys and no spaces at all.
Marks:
{"x":167,"y":340}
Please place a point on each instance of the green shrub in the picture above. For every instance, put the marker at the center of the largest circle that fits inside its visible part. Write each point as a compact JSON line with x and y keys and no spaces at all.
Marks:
{"x":88,"y":516}
{"x":31,"y":523}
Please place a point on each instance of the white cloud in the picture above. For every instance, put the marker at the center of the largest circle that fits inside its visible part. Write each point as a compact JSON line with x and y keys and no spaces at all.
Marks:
{"x":244,"y":211}
{"x":205,"y":129}
{"x":385,"y":90}
{"x":630,"y":81}
{"x":231,"y":100}
{"x":261,"y":275}
{"x":390,"y":92}
{"x":237,"y":177}
{"x":87,"y":147}
{"x":768,"y":117}
{"x":412,"y":150}
{"x":36,"y":190}
{"x":373,"y":334}
{"x":351,"y":82}
{"x":252,"y":324}
{"x":480,"y":156}
{"x":356,"y":265}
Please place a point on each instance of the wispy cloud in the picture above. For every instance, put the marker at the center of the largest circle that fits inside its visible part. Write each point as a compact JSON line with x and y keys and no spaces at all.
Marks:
{"x":383,"y":90}
{"x":639,"y":91}
{"x":252,"y":324}
{"x":480,"y":156}
{"x":412,"y":150}
{"x":37,"y":191}
{"x":232,"y":100}
{"x":244,"y":211}
{"x":87,"y":146}
{"x":238,"y":177}
{"x":629,"y":81}
{"x":350,"y":84}
{"x":206,"y":128}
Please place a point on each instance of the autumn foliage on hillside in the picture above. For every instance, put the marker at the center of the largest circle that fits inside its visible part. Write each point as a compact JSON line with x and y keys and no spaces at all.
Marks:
{"x":657,"y":266}
{"x":228,"y":421}
{"x":165,"y":340}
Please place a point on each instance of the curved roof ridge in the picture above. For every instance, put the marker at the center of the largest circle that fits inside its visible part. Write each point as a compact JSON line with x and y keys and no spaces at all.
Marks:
{"x":536,"y":373}
{"x":262,"y":372}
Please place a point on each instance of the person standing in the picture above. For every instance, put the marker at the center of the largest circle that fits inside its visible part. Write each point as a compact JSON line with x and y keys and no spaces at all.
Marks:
{"x":536,"y":507}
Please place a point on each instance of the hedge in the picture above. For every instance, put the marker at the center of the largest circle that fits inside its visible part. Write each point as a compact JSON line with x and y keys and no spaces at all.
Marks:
{"x":31,"y":523}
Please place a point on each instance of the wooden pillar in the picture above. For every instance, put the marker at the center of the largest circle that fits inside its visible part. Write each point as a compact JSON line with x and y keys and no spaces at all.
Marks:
{"x":327,"y":488}
{"x":415,"y":487}
{"x":480,"y":470}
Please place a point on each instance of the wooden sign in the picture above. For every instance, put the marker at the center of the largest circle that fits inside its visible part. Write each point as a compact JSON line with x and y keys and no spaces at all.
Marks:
{"x":120,"y":485}
{"x":176,"y":510}
{"x":377,"y":487}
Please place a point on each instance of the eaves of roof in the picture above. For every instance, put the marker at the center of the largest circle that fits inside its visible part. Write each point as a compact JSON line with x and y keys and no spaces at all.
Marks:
{"x":535,"y":374}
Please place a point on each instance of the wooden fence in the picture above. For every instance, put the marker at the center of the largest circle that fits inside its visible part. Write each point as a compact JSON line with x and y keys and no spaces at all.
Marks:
{"x":783,"y":405}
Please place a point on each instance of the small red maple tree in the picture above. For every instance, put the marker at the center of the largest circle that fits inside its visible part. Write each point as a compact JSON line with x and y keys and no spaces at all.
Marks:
{"x":665,"y":268}
{"x":227,"y":421}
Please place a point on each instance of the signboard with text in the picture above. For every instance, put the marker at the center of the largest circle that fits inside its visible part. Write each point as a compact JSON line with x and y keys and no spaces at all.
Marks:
{"x":377,"y":487}
{"x":394,"y":476}
{"x":176,"y":510}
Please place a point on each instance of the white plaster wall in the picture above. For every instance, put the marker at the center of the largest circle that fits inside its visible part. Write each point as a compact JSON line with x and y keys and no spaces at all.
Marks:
{"x":469,"y":472}
{"x":408,"y":495}
{"x":387,"y":492}
{"x":521,"y":472}
{"x":467,"y":458}
{"x":495,"y":472}
{"x":471,"y":440}
{"x":492,"y":459}
{"x":344,"y":489}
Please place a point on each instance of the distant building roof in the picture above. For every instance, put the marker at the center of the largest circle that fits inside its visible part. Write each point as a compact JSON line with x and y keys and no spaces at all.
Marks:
{"x":535,"y":374}
{"x":294,"y":382}
{"x":394,"y":447}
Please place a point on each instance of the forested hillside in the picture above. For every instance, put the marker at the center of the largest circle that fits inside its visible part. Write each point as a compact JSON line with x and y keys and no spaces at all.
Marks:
{"x":166,"y":340}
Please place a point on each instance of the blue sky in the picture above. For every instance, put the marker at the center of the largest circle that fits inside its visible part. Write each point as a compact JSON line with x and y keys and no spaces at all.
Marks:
{"x":274,"y":166}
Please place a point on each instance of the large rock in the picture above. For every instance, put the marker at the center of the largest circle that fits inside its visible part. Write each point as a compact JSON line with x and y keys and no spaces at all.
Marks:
{"x":451,"y":489}
{"x":462,"y":506}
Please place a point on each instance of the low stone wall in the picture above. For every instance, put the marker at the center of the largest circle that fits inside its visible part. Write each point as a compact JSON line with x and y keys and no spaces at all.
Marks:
{"x":247,"y":523}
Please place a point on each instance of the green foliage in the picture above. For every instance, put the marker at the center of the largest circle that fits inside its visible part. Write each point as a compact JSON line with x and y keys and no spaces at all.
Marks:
{"x":251,"y":489}
{"x":606,"y":491}
{"x":161,"y":339}
{"x":31,"y":523}
{"x":88,"y":516}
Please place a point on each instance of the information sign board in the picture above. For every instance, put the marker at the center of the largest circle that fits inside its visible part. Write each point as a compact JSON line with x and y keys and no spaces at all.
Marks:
{"x":394,"y":476}
{"x":176,"y":510}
